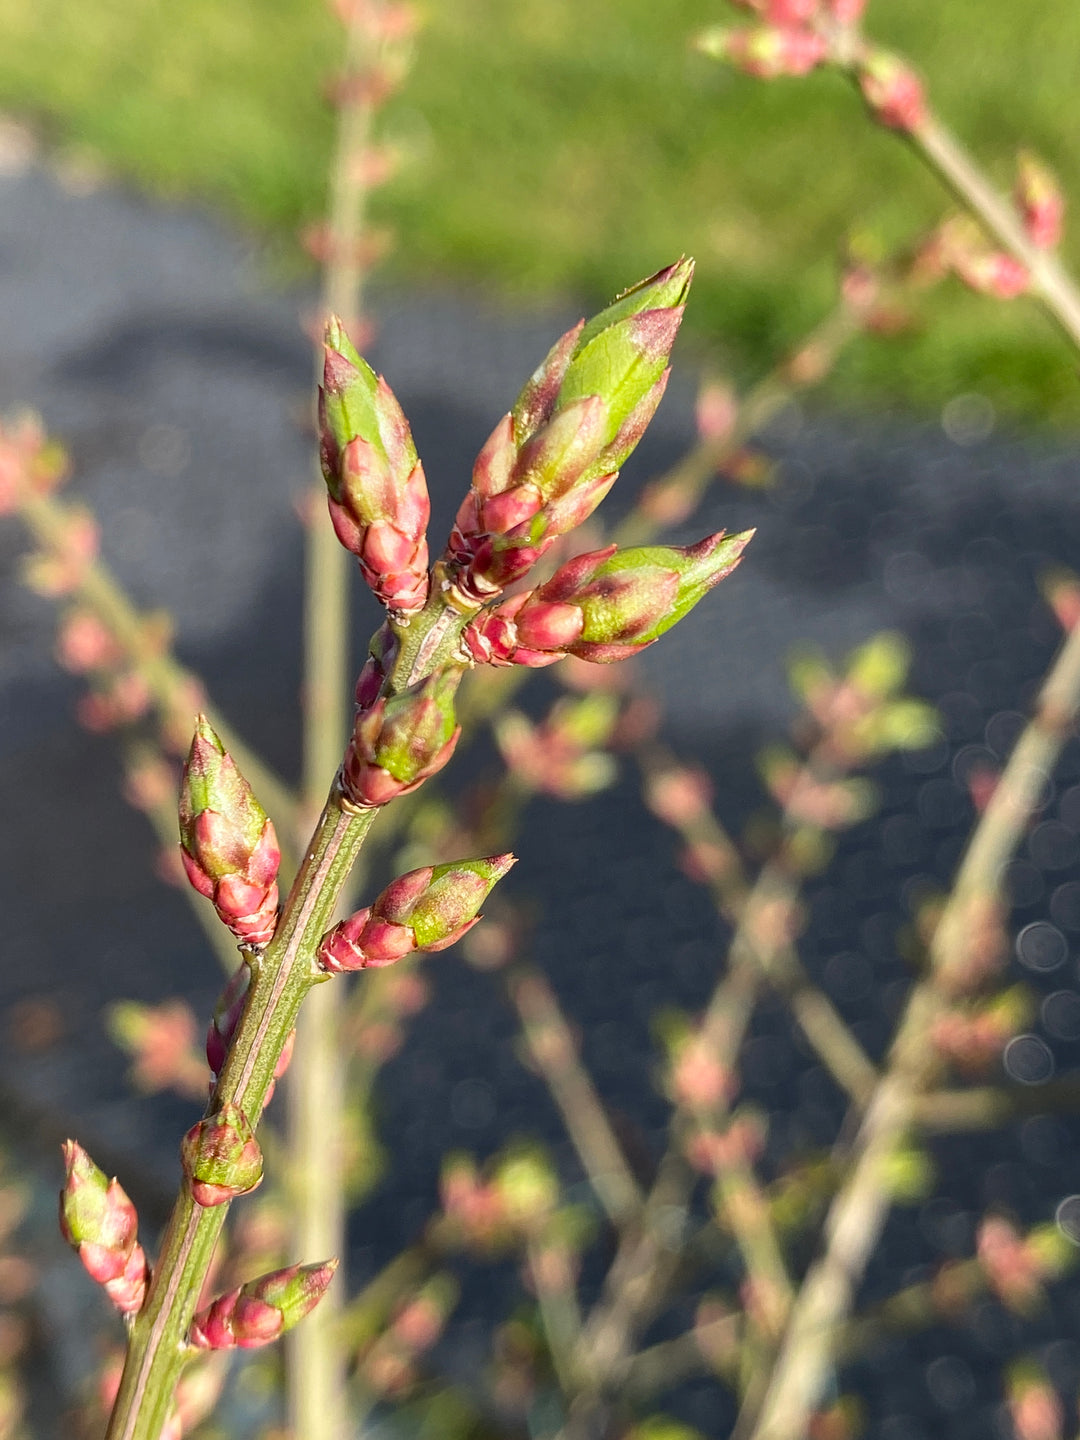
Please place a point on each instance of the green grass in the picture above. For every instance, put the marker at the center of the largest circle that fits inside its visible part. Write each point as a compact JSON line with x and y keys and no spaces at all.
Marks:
{"x":570,"y":146}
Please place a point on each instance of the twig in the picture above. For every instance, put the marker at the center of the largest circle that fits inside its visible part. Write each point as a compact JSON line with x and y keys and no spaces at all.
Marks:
{"x":317,"y":1393}
{"x":943,"y":1112}
{"x":559,"y":1313}
{"x":554,"y":1051}
{"x":169,"y":684}
{"x":860,"y":1207}
{"x":1051,"y":282}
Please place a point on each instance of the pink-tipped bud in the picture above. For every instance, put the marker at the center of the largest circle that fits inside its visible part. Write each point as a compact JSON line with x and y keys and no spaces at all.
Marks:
{"x":400,"y":742}
{"x":427,"y":909}
{"x":893,"y":91}
{"x":993,"y":273}
{"x":549,"y":463}
{"x":227,"y":842}
{"x":378,"y":496}
{"x":606,"y":605}
{"x":84,"y":643}
{"x":226,"y":1017}
{"x":99,"y":1221}
{"x":257,"y":1313}
{"x":221,"y":1157}
{"x":846,"y":12}
{"x":1040,"y":202}
{"x":767,"y":52}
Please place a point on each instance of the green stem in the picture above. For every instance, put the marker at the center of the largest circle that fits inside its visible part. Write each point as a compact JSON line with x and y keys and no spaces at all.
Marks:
{"x":280,"y":980}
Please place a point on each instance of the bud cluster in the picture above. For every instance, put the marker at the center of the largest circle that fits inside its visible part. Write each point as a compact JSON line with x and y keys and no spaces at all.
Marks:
{"x":99,"y":1221}
{"x":427,"y":909}
{"x":227,"y":843}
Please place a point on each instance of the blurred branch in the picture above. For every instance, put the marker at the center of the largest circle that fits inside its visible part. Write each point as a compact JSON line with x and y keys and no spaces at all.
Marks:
{"x":860,"y":1207}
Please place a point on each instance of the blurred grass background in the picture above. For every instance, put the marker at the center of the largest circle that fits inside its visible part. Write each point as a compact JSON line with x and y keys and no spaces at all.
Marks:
{"x":567,"y":147}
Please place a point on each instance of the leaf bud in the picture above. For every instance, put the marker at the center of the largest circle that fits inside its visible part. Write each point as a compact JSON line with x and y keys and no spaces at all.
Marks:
{"x":553,"y":458}
{"x":221,"y":1157}
{"x":99,"y":1221}
{"x":606,"y":605}
{"x":399,"y":742}
{"x":257,"y":1313}
{"x":227,"y":842}
{"x":378,"y":496}
{"x":426,"y":909}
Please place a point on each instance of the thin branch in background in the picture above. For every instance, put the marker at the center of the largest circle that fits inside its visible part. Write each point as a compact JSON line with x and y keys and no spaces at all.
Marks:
{"x":69,"y":565}
{"x":859,"y":1210}
{"x":553,"y":1049}
{"x":373,"y":61}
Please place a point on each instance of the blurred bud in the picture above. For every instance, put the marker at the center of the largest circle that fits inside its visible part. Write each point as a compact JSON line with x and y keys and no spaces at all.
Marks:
{"x":527,"y":1187}
{"x":1010,"y":1264}
{"x":1034,"y":1406}
{"x":892,"y":90}
{"x":1040,"y":202}
{"x":84,"y":643}
{"x":160,"y":1040}
{"x":766,"y":52}
{"x":473,"y":1206}
{"x":1061,"y":591}
{"x":221,"y":1157}
{"x":378,"y":495}
{"x":427,"y":909}
{"x":679,"y":797}
{"x":400,"y":742}
{"x":563,"y":756}
{"x":716,"y":412}
{"x":228,"y":844}
{"x":257,"y":1313}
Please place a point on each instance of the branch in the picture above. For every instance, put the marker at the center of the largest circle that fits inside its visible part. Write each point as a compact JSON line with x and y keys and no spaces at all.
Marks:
{"x":860,"y":1208}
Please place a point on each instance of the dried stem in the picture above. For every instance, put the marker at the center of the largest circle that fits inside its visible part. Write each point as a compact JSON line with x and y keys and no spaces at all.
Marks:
{"x":859,"y":1210}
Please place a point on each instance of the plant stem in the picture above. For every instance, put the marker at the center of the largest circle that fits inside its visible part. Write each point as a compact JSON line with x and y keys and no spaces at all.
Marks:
{"x":1051,"y":282}
{"x":860,"y":1208}
{"x":280,"y":980}
{"x":316,"y":1389}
